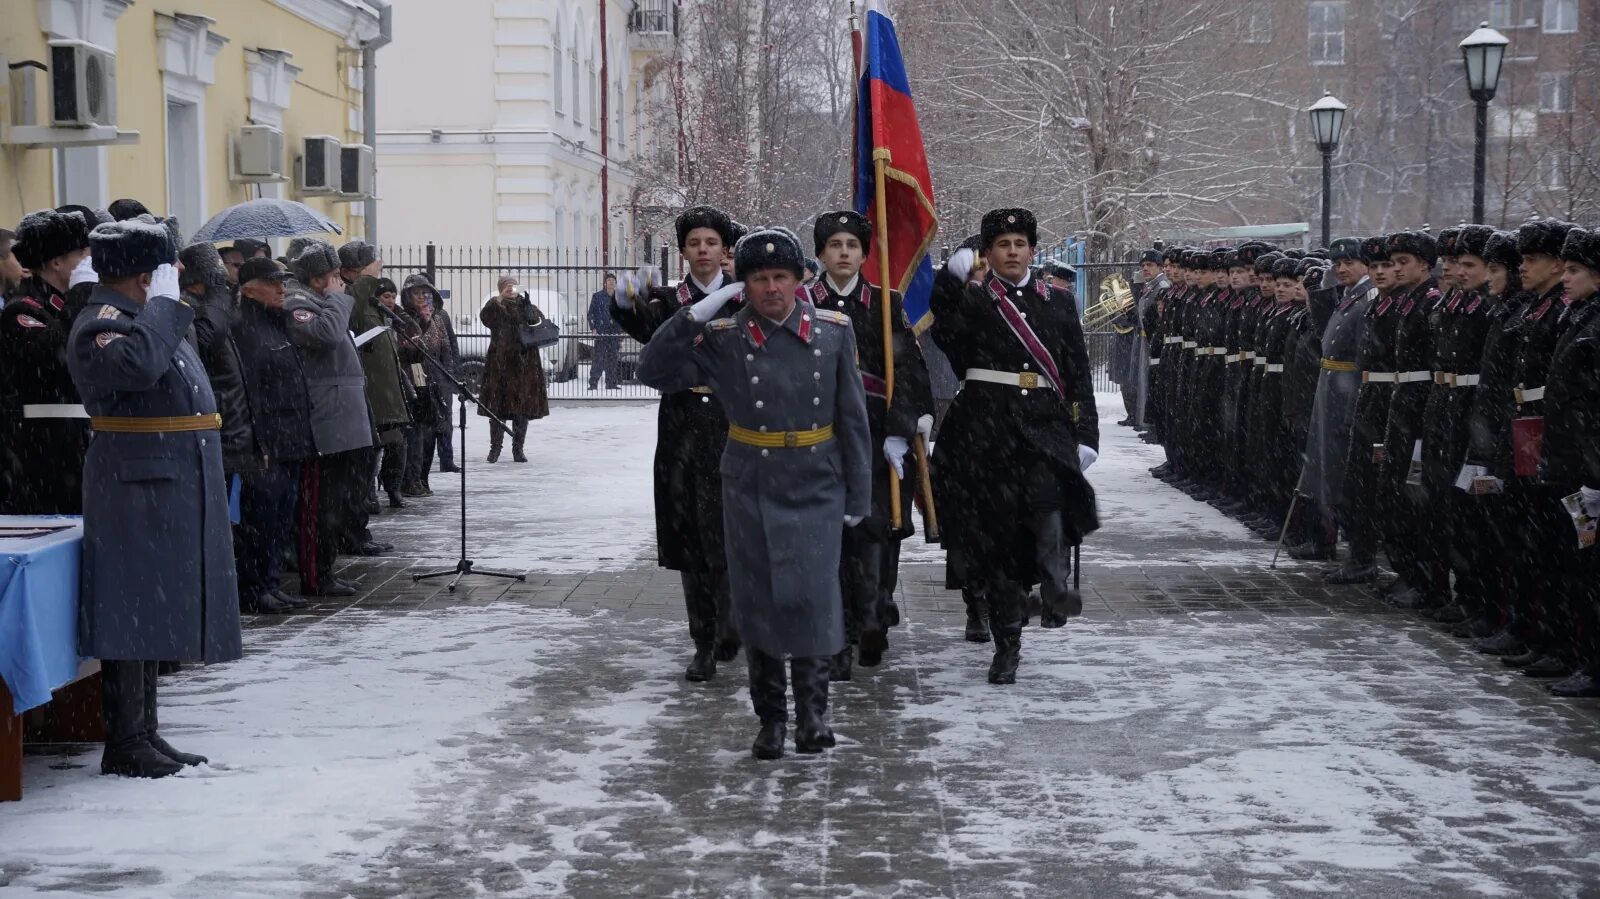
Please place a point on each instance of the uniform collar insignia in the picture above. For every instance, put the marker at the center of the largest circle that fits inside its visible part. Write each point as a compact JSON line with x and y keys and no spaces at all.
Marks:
{"x":109,"y":297}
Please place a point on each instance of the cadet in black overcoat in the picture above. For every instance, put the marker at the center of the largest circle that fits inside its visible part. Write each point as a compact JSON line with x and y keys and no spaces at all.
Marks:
{"x":1571,"y":463}
{"x":870,"y":555}
{"x":691,"y":430}
{"x":1008,"y":467}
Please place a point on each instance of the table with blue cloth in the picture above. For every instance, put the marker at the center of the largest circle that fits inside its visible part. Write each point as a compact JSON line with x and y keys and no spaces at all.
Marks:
{"x":38,"y":626}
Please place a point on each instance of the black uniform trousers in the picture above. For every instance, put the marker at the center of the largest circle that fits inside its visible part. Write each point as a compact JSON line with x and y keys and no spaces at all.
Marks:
{"x":266,"y":521}
{"x":331,"y":512}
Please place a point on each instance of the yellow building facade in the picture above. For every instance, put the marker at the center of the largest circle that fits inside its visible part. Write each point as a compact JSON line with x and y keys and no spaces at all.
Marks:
{"x":189,"y":75}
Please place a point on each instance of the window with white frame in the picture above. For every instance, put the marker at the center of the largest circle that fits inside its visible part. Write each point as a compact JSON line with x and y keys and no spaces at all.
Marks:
{"x":560,"y":64}
{"x":1555,"y":92}
{"x":1553,"y":171}
{"x":594,"y":94}
{"x":1258,"y":24}
{"x":575,"y":70}
{"x":1560,"y":16}
{"x":1513,"y":122}
{"x":1325,"y":32}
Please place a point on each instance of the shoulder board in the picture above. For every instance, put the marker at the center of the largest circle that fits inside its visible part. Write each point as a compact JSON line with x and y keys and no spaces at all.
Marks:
{"x":26,"y":301}
{"x":838,"y":318}
{"x":722,"y":324}
{"x":108,"y":311}
{"x":1433,"y":293}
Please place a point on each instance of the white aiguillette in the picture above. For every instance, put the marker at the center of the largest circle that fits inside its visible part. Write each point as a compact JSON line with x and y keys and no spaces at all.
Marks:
{"x":367,"y":336}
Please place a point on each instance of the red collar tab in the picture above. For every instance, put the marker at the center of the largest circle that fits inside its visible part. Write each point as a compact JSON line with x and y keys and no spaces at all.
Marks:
{"x":754,"y":330}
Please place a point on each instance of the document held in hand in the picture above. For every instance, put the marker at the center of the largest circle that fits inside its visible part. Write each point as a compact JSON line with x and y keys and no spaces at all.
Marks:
{"x":366,"y":337}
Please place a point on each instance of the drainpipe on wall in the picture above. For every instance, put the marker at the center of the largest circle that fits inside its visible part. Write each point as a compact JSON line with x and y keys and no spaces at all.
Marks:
{"x":369,"y":103}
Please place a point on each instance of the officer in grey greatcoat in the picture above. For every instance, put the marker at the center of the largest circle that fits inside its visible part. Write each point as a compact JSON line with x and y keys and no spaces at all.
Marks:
{"x":1328,"y":441}
{"x":796,"y":464}
{"x":158,"y":578}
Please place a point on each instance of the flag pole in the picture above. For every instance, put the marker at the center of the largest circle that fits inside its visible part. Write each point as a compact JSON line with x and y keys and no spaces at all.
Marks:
{"x":880,"y":161}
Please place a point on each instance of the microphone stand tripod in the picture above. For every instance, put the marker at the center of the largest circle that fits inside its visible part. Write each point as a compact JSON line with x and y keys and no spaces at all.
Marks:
{"x":464,"y":566}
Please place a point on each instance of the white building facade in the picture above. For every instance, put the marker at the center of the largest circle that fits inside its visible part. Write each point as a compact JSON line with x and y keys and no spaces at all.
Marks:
{"x":496,"y":127}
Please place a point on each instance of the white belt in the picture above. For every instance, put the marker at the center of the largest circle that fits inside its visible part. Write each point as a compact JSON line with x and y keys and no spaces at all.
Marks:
{"x":1274,"y":368}
{"x":1247,"y":355}
{"x":1027,"y":380}
{"x":1530,"y":395}
{"x":1214,"y":351}
{"x":1413,"y":377}
{"x":1261,"y":360}
{"x":1172,"y":340}
{"x":54,"y":410}
{"x":1189,"y":344}
{"x":1155,"y":360}
{"x":1377,"y":377}
{"x":1232,"y":359}
{"x":1447,"y":379}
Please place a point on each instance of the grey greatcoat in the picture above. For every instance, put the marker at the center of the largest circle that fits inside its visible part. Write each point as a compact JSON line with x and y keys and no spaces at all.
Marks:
{"x":1328,"y":441}
{"x":782,"y":507}
{"x":158,"y":579}
{"x":319,"y":326}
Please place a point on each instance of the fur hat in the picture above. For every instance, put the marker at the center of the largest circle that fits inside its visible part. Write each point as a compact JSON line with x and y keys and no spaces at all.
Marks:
{"x":311,"y":258}
{"x":1345,"y":248}
{"x":767,"y":248}
{"x":1501,"y":247}
{"x":1416,"y":243}
{"x":1472,"y":239}
{"x":124,"y":209}
{"x":1374,"y":250}
{"x":1305,"y":266}
{"x":1287,"y":268}
{"x":1173,"y":255}
{"x":1248,"y":253}
{"x":1542,"y":237}
{"x":131,"y":247}
{"x":47,"y":234}
{"x":1009,"y":221}
{"x":1583,"y":247}
{"x":973,"y":242}
{"x":84,"y":212}
{"x":1450,"y":242}
{"x":842,"y":222}
{"x":1153,"y":256}
{"x":1061,"y":270}
{"x":1224,"y":258}
{"x":202,"y":264}
{"x":1266,"y":261}
{"x":357,"y":255}
{"x":705,"y":217}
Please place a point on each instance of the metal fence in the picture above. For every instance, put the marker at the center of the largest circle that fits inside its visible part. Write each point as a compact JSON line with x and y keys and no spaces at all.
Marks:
{"x":561,"y":283}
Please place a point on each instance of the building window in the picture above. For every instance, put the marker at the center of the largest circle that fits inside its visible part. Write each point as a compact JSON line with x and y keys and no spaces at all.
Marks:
{"x":185,"y":165}
{"x":1553,"y":171}
{"x":1326,"y":32}
{"x":577,"y":86}
{"x":1258,"y":25}
{"x":1513,"y":123}
{"x":559,"y":63}
{"x":1555,"y":92}
{"x":1560,"y":16}
{"x":594,"y":97}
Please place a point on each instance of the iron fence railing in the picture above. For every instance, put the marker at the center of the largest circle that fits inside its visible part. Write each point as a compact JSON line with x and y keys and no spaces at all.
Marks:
{"x":562,"y":282}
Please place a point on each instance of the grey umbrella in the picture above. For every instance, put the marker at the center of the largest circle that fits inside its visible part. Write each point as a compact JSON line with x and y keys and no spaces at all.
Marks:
{"x":265,"y":218}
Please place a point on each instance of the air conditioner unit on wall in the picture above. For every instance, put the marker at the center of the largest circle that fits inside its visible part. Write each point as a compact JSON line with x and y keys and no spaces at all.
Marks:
{"x":83,"y":85}
{"x":355,"y":170}
{"x":258,"y":153}
{"x":319,"y":168}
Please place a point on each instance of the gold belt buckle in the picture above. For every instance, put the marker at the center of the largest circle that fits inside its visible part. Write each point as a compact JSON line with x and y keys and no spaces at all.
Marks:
{"x":1028,"y":380}
{"x":791,"y":439}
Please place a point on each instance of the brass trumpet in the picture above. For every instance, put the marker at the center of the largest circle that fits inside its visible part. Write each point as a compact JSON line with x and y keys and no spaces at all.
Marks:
{"x":1116,"y":297}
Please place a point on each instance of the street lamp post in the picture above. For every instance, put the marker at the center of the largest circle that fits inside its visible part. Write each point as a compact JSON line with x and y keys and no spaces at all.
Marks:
{"x":1327,"y":123}
{"x":1482,"y":52}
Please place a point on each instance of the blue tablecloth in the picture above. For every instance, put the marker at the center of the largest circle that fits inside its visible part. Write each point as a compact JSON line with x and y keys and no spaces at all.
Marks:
{"x":39,"y":609}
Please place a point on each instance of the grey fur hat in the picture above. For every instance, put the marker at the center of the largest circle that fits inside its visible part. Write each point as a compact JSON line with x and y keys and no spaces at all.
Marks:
{"x":312,"y":258}
{"x":768,"y":248}
{"x":202,"y":264}
{"x":131,"y":247}
{"x":357,"y":254}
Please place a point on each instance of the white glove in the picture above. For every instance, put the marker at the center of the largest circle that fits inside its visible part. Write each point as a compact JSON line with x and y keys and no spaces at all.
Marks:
{"x":895,"y":449}
{"x":83,"y":272}
{"x":925,"y":428}
{"x":1086,"y":457}
{"x":628,"y":287}
{"x":646,"y":275}
{"x":851,"y":521}
{"x":961,"y":263}
{"x":706,"y":309}
{"x":164,"y":282}
{"x":1591,"y":501}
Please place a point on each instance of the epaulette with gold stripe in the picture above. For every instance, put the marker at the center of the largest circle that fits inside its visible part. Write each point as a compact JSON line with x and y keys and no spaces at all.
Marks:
{"x":837,"y":318}
{"x":722,"y":324}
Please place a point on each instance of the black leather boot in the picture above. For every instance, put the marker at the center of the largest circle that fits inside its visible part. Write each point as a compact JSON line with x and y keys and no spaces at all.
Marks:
{"x":128,"y":752}
{"x":701,"y":605}
{"x":497,"y":441}
{"x":771,"y":705}
{"x":841,"y":666}
{"x":977,"y":615}
{"x":1005,"y":622}
{"x":812,"y":733}
{"x":862,"y":582}
{"x":151,"y":723}
{"x":1058,"y":600}
{"x":519,"y":438}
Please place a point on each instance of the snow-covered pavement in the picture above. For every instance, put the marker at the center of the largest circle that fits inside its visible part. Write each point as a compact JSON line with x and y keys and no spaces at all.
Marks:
{"x":540,"y":741}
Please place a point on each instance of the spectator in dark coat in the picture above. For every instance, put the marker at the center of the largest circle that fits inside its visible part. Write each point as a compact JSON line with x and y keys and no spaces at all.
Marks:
{"x":513,"y":378}
{"x":204,"y":283}
{"x":430,"y":412}
{"x":282,"y":403}
{"x":362,"y":270}
{"x":607,"y":336}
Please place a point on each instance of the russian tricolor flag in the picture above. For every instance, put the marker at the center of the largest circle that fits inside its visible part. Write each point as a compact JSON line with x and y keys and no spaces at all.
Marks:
{"x":887,"y":129}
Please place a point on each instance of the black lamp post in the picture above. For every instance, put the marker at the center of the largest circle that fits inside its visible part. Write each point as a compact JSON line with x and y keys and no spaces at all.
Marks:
{"x":1327,"y":124}
{"x":1483,"y":52}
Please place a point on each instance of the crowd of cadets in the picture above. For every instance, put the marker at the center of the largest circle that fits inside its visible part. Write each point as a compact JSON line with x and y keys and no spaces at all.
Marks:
{"x":1438,"y":397}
